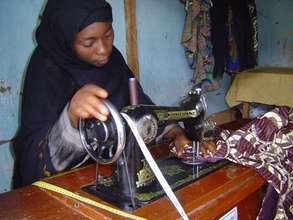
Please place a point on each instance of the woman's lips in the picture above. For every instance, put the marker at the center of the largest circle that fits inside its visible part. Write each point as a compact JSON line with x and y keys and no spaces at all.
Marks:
{"x":103,"y":61}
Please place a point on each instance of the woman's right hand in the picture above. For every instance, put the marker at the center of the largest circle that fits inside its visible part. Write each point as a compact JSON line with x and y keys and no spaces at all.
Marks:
{"x":208,"y":148}
{"x":86,"y":103}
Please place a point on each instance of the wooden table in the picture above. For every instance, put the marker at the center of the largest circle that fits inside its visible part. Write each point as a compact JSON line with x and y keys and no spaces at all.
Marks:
{"x":208,"y":198}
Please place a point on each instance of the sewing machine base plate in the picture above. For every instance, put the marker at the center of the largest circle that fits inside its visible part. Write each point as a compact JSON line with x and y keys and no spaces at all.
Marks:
{"x":176,"y":173}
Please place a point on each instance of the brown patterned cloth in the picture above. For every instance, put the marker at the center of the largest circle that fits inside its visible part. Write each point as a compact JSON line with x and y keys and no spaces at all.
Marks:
{"x":196,"y":39}
{"x":265,"y":144}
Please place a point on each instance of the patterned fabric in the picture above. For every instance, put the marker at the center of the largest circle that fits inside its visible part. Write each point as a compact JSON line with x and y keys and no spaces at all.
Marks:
{"x":253,"y":19}
{"x":265,"y":144}
{"x":197,"y":43}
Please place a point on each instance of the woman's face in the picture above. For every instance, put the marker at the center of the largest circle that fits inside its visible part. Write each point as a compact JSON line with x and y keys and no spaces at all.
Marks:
{"x":94,"y":43}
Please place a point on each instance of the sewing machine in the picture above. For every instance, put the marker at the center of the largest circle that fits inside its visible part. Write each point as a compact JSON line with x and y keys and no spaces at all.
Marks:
{"x":123,"y":176}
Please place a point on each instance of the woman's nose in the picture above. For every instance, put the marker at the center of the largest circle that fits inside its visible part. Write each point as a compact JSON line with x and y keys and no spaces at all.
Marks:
{"x":101,"y":47}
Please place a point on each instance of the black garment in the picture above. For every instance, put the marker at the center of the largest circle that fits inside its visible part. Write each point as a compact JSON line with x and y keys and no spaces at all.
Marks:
{"x":54,"y":74}
{"x":219,"y":36}
{"x":244,"y":31}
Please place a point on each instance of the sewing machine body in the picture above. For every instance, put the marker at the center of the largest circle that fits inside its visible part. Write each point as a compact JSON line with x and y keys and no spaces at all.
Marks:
{"x":127,"y":180}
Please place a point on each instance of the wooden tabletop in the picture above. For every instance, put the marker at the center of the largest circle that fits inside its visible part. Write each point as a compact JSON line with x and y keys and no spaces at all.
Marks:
{"x":208,"y":198}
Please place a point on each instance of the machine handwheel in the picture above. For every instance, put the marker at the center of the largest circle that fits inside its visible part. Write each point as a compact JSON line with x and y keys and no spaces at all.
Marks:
{"x":103,"y":141}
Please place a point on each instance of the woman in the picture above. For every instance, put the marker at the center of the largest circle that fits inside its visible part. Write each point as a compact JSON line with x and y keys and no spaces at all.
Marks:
{"x":73,"y":68}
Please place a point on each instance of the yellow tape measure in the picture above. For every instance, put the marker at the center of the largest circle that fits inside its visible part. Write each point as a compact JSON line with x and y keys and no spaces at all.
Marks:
{"x":65,"y":192}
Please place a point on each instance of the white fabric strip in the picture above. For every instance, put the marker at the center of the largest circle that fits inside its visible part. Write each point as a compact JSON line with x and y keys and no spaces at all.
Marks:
{"x":166,"y":187}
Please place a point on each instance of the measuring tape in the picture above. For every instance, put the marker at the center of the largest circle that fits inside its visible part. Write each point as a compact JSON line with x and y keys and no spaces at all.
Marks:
{"x":65,"y":192}
{"x":156,"y":170}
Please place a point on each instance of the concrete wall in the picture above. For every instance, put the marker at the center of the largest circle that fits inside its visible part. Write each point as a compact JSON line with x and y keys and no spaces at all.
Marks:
{"x":164,"y":72}
{"x":275,"y":18}
{"x":17,"y":21}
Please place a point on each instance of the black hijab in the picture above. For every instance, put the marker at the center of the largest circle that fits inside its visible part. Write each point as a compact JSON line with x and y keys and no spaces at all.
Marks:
{"x":61,"y":21}
{"x":55,"y":73}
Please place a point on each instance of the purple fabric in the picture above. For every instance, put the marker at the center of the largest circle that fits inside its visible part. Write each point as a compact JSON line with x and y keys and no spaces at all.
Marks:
{"x":269,"y":204}
{"x":288,"y":205}
{"x":265,"y":144}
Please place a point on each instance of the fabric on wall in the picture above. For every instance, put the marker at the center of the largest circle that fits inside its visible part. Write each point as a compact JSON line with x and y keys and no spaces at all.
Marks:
{"x":253,"y":18}
{"x":234,"y":35}
{"x":196,"y":39}
{"x":219,"y":36}
{"x":233,"y":62}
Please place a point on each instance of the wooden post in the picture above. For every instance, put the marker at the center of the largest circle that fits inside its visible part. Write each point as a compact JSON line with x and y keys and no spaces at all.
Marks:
{"x":245,"y":109}
{"x":131,"y":36}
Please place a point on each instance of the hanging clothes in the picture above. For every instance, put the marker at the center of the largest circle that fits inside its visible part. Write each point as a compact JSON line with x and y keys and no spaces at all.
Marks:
{"x":219,"y":36}
{"x":234,"y":35}
{"x":196,"y":39}
{"x":233,"y":62}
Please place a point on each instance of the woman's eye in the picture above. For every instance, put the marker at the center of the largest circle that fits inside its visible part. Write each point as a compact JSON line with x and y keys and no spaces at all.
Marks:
{"x":109,"y":34}
{"x":87,"y":43}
